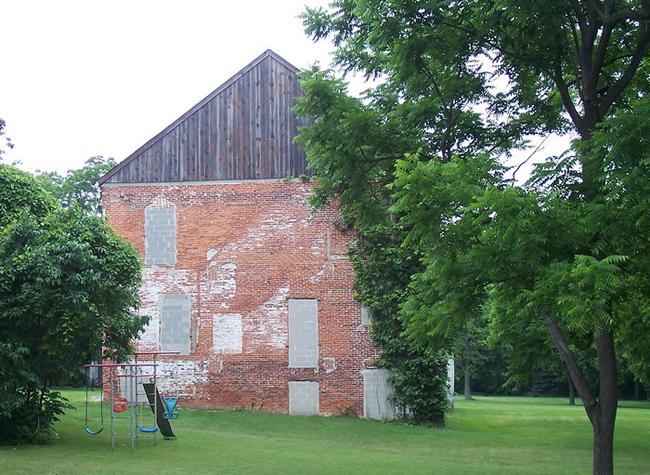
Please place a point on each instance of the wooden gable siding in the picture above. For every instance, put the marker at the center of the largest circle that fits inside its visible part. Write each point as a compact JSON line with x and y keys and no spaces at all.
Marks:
{"x":243,"y":130}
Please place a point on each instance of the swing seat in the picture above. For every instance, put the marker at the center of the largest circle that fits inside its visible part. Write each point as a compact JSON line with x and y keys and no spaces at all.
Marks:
{"x":120,"y":404}
{"x":149,"y":430}
{"x":171,"y":412}
{"x":87,"y":428}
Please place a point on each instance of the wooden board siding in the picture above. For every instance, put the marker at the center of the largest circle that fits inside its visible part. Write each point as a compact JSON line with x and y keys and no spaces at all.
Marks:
{"x":243,"y":130}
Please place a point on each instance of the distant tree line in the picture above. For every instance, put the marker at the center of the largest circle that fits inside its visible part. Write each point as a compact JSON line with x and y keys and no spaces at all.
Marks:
{"x":491,"y":374}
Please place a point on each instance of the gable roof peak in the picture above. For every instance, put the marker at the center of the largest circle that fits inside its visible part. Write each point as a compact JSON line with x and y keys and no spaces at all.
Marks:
{"x":268,"y":53}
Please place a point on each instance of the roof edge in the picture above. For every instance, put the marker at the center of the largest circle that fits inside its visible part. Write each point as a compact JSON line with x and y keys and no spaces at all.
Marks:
{"x":266,"y":54}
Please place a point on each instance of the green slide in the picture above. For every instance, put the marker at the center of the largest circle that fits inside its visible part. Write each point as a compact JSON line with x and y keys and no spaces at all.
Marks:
{"x":163,"y":424}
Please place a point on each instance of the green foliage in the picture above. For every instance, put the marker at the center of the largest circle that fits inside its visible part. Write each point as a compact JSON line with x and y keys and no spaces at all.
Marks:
{"x":383,"y":269}
{"x":51,"y":181}
{"x":78,"y":186}
{"x":351,"y":147}
{"x":521,"y":251}
{"x":68,"y":289}
{"x":567,"y":251}
{"x":421,"y":387}
{"x":7,"y":140}
{"x":489,"y":371}
{"x":20,"y":193}
{"x":624,"y":223}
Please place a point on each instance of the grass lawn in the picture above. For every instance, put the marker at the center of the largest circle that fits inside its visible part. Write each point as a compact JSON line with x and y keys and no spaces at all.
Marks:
{"x":488,"y":435}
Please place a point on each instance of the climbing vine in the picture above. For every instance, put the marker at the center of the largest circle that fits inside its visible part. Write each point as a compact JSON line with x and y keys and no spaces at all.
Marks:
{"x":383,"y":269}
{"x":351,"y":150}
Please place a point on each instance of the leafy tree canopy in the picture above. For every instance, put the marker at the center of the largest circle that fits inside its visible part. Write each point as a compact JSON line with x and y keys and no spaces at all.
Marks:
{"x":78,"y":186}
{"x":462,"y":84}
{"x":20,"y":193}
{"x":68,"y":290}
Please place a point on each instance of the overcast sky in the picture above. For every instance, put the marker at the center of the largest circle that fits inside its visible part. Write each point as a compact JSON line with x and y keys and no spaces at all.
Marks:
{"x":83,"y":78}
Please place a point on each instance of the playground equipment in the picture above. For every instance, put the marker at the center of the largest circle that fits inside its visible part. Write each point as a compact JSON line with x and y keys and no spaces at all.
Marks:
{"x":171,"y":406}
{"x":120,"y":404}
{"x":158,"y":405}
{"x":101,"y":408}
{"x":127,"y":389}
{"x":171,"y":412}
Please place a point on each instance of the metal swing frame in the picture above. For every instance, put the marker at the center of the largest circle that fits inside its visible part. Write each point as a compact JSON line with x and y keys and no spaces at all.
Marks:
{"x":131,"y":408}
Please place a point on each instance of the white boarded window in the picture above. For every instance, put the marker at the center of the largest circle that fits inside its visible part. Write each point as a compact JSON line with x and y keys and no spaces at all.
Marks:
{"x":160,"y":236}
{"x":366,"y":315}
{"x":377,"y":394}
{"x":303,"y":398}
{"x":303,"y":333}
{"x":175,"y":323}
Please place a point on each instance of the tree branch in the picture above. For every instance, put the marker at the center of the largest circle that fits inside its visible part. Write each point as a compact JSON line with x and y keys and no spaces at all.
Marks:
{"x":622,"y":15}
{"x":579,"y":381}
{"x":539,"y":146}
{"x":588,"y":38}
{"x":617,"y":88}
{"x":576,"y":44}
{"x":600,"y":52}
{"x":582,"y":23}
{"x":566,"y":97}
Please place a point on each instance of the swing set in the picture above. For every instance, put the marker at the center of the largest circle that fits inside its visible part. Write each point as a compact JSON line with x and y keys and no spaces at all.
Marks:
{"x":131,"y":387}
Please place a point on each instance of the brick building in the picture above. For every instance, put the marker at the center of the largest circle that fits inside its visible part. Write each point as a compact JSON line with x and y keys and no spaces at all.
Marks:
{"x":250,"y":285}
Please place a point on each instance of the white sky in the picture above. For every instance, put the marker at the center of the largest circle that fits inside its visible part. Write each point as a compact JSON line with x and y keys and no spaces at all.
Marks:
{"x":83,"y":78}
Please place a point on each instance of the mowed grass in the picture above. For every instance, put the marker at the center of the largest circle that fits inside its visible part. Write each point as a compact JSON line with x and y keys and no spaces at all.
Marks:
{"x":487,"y":435}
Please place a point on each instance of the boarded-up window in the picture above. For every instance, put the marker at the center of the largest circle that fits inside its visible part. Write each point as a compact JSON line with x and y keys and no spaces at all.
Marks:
{"x":175,"y":323}
{"x":377,"y":393}
{"x":366,"y":315}
{"x":160,"y":235}
{"x":303,"y":398}
{"x":303,"y":333}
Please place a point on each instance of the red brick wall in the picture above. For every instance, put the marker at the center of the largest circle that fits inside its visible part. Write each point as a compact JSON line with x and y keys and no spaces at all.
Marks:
{"x":246,"y":248}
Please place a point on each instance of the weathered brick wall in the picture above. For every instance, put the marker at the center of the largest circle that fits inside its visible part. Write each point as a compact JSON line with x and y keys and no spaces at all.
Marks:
{"x":243,"y":250}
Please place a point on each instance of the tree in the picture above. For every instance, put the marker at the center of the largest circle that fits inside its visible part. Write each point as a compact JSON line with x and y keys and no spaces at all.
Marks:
{"x":558,"y":251}
{"x":471,"y":350}
{"x":7,"y":140}
{"x":78,"y":186}
{"x":68,"y":290}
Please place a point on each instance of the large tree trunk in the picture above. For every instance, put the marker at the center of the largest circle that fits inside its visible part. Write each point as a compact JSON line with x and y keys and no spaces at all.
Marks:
{"x":607,"y":403}
{"x":601,"y":412}
{"x":603,"y":450}
{"x":572,"y":393}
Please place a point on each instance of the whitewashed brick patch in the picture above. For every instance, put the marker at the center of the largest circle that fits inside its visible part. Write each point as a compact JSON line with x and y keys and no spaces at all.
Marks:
{"x":227,"y":333}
